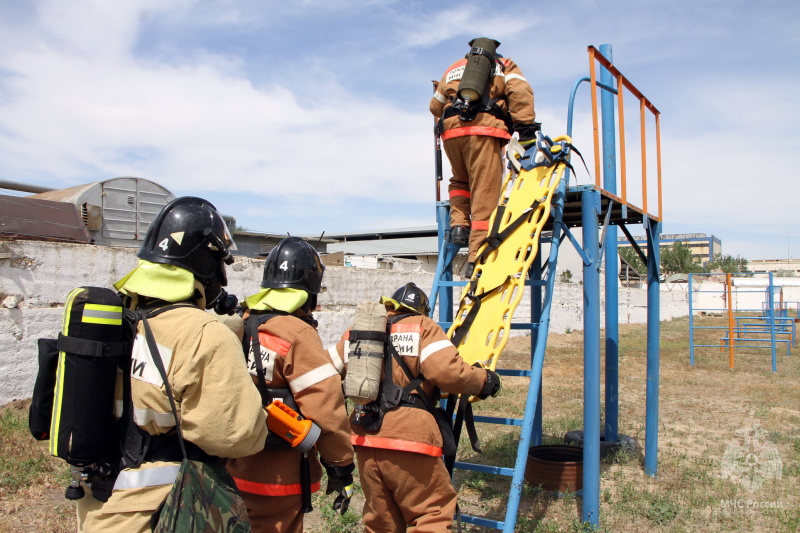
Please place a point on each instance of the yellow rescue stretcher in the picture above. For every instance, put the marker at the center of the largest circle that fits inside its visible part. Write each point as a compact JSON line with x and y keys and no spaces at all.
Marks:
{"x":482,"y":324}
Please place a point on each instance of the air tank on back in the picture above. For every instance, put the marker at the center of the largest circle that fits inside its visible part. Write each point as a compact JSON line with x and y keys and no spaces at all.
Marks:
{"x":478,"y":70}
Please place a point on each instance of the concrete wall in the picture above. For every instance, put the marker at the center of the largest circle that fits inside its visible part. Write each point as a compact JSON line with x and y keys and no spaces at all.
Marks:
{"x":35,"y":278}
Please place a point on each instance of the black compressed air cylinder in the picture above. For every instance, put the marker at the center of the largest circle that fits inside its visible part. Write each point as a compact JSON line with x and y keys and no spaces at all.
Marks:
{"x":478,"y":70}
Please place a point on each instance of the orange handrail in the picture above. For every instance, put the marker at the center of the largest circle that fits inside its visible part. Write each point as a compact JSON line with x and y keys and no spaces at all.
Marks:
{"x":645,"y":105}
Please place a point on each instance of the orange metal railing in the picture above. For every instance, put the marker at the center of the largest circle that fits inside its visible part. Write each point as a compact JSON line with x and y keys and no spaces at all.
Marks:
{"x":622,"y":84}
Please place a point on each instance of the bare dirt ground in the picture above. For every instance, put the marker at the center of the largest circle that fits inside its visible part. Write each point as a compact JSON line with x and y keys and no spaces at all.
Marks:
{"x":705,"y":411}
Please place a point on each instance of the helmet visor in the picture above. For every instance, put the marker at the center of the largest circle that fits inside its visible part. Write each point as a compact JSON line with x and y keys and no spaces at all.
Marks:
{"x":227,"y":238}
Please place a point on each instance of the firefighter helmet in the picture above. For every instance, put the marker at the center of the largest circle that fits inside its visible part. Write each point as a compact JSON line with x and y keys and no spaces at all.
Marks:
{"x":293,"y":264}
{"x":409,"y":297}
{"x":190,"y":233}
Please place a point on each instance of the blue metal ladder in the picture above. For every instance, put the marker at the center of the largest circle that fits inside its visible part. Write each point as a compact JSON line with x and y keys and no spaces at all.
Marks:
{"x":531,"y":423}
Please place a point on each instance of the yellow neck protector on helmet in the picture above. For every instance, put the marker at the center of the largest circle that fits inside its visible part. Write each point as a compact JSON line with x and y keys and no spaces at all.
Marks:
{"x":155,"y":280}
{"x":286,"y":300}
{"x":385,"y":300}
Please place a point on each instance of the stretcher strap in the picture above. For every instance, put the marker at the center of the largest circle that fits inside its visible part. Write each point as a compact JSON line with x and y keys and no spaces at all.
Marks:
{"x":462,"y":330}
{"x":464,"y":418}
{"x":496,"y":238}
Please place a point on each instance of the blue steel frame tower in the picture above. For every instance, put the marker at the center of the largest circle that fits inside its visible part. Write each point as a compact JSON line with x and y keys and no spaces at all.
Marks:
{"x":580,"y":206}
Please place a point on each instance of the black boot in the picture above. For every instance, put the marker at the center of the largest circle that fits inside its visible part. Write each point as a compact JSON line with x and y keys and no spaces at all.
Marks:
{"x":470,"y":270}
{"x":459,"y":235}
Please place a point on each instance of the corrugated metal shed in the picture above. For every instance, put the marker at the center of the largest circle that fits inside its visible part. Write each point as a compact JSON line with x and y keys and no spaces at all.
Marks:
{"x":117,"y":210}
{"x":36,"y":219}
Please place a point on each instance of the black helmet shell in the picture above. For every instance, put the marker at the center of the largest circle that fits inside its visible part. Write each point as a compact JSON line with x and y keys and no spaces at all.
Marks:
{"x":190,"y":233}
{"x":293,"y":264}
{"x":413,"y":298}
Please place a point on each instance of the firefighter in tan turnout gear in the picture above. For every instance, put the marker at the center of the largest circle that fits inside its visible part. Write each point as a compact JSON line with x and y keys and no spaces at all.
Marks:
{"x":288,"y":363}
{"x":399,"y":452}
{"x":479,"y":102}
{"x":181,"y":272}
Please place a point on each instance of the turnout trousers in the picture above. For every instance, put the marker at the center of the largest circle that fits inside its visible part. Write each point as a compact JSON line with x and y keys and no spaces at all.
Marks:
{"x":405,"y":492}
{"x":274,"y":514}
{"x":477,"y":166}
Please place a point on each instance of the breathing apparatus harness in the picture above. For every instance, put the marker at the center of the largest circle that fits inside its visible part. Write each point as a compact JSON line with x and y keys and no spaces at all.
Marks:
{"x":282,"y":400}
{"x":476,"y":81}
{"x":135,"y":446}
{"x":391,"y":395}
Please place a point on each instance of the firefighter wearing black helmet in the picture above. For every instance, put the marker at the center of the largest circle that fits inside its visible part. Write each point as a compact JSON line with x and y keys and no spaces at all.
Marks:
{"x":297,"y":369}
{"x":405,"y":482}
{"x":181,"y":272}
{"x":480,"y":102}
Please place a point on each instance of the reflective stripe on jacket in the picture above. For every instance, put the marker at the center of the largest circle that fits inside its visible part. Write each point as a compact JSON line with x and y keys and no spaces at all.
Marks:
{"x":147,"y":477}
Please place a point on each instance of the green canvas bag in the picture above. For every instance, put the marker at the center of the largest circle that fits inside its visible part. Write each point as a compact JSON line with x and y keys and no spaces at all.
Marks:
{"x":202,"y":500}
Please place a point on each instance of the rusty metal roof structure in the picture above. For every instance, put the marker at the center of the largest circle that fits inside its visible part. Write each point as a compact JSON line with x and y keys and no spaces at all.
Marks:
{"x":36,"y":219}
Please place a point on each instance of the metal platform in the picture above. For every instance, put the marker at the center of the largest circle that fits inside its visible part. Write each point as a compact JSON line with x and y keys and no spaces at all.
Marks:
{"x":621,"y":213}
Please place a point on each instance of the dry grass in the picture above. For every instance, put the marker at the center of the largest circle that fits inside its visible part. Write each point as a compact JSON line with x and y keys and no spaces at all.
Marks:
{"x":32,"y":482}
{"x":702,"y":408}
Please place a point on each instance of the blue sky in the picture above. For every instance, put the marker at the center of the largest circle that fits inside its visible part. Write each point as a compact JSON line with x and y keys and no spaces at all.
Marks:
{"x":311,"y":116}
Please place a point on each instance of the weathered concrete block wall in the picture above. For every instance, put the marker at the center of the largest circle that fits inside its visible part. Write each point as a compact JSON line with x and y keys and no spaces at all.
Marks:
{"x":35,"y":278}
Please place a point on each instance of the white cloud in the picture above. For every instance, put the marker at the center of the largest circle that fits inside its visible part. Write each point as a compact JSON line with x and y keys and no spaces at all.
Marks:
{"x":205,"y":128}
{"x":86,"y":93}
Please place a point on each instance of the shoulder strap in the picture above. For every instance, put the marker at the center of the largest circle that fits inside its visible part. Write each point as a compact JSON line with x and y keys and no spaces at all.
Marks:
{"x":135,"y":442}
{"x":415,"y":383}
{"x":398,"y":394}
{"x":153,"y":347}
{"x":252,"y":344}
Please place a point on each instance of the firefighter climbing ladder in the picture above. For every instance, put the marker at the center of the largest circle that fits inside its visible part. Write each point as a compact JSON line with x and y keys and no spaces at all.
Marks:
{"x":536,"y":188}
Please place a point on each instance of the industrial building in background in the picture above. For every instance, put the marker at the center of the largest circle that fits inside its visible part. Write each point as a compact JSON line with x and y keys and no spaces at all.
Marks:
{"x":118,"y":211}
{"x":112,"y":212}
{"x":703,"y":247}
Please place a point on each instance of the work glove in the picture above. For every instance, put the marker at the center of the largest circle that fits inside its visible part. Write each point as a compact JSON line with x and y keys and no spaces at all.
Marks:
{"x":492,"y":386}
{"x":527,"y":133}
{"x":340,"y":481}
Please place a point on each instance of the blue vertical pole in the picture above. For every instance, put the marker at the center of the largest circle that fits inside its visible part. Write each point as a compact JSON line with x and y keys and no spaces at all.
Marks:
{"x":691,"y":323}
{"x":444,"y":294}
{"x":611,"y":431}
{"x":772,"y":323}
{"x":653,"y":346}
{"x":536,"y":317}
{"x":590,"y":207}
